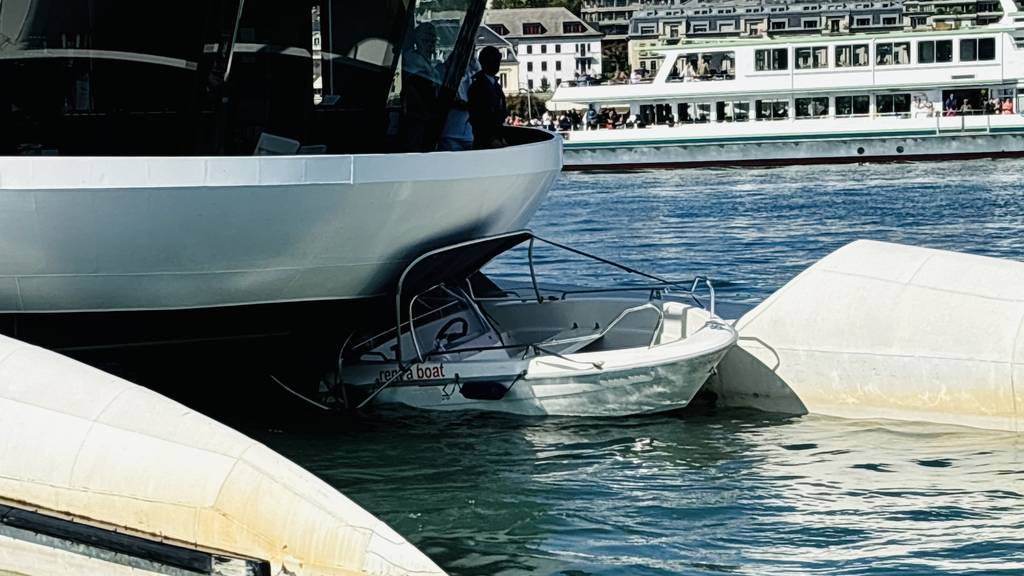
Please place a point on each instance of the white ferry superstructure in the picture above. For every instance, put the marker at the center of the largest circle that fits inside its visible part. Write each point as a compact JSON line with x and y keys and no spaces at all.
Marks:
{"x":813,"y":99}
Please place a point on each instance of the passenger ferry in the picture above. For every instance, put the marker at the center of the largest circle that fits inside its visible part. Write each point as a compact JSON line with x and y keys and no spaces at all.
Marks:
{"x":913,"y":95}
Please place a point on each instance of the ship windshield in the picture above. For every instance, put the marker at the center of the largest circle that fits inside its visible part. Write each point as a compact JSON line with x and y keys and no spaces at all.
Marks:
{"x":211,"y":77}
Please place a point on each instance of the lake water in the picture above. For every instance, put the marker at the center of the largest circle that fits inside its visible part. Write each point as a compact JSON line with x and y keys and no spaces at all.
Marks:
{"x":709,"y":491}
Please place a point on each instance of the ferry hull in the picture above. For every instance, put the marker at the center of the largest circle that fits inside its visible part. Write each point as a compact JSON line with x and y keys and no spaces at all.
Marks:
{"x":791,"y":152}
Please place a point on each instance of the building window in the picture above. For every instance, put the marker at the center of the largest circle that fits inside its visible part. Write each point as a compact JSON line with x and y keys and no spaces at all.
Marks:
{"x":572,"y":27}
{"x":892,"y":104}
{"x":773,"y":59}
{"x":862,"y":21}
{"x":558,"y":48}
{"x":810,"y":24}
{"x":503,"y":79}
{"x":581,"y":49}
{"x":887,"y":53}
{"x":853,"y":105}
{"x":529,"y":49}
{"x":772,"y":109}
{"x":558,"y":66}
{"x":544,"y":66}
{"x":777,"y":25}
{"x":811,"y":57}
{"x":697,"y":28}
{"x":532,"y":29}
{"x":853,"y":55}
{"x":733,"y":111}
{"x":648,"y":29}
{"x":543,"y":48}
{"x":529,"y":84}
{"x":888,"y":21}
{"x":973,"y":49}
{"x":500,"y":29}
{"x":811,"y":107}
{"x":529,"y":66}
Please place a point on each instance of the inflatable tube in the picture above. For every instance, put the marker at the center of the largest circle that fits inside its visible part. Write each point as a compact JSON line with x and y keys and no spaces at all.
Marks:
{"x":83,"y":443}
{"x":879,"y":330}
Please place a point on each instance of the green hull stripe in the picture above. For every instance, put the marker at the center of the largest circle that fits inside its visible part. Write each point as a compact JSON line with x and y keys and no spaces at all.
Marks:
{"x":785,"y":138}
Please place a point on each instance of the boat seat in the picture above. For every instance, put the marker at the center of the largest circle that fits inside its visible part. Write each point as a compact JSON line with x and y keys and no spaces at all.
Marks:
{"x":270,"y":145}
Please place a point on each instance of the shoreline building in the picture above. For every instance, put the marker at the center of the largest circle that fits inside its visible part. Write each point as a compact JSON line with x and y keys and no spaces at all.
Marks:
{"x":552,"y":45}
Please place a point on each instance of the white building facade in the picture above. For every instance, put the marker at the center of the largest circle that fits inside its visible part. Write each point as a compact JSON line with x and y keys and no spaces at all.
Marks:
{"x":552,"y":45}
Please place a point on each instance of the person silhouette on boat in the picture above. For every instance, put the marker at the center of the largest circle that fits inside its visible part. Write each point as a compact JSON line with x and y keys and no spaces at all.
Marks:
{"x":487,"y":108}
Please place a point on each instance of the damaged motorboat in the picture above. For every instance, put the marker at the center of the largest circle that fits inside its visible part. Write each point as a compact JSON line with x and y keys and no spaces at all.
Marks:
{"x":461,"y":342}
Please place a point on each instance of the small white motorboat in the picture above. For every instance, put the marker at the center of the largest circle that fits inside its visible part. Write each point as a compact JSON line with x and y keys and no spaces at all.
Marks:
{"x":462,"y":343}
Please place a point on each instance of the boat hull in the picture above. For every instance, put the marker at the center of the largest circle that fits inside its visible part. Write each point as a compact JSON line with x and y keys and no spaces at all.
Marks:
{"x":130,"y":234}
{"x":896,"y":140}
{"x":640,"y":390}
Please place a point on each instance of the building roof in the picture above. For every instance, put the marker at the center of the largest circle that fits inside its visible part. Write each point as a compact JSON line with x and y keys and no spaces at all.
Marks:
{"x":550,"y":19}
{"x":487,"y":37}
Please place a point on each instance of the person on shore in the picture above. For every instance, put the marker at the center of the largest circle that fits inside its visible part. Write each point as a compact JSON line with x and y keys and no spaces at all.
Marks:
{"x":487,"y":109}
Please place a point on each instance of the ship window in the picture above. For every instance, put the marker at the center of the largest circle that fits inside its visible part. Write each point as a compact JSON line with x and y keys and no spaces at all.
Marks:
{"x":887,"y":53}
{"x":694,"y":112}
{"x":973,"y":49}
{"x":704,"y":66}
{"x":892,"y":104}
{"x":853,"y":105}
{"x":852,"y":55}
{"x":773,"y":59}
{"x":772,"y":109}
{"x":934,"y":51}
{"x":811,"y":107}
{"x":811,"y":57}
{"x":732,"y":111}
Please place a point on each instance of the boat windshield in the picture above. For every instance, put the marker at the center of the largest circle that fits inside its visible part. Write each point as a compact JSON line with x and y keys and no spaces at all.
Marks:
{"x":211,"y":77}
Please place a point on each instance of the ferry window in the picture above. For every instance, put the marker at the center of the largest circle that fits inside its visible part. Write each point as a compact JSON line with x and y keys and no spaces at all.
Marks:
{"x":774,"y":59}
{"x":987,"y":49}
{"x":811,"y":107}
{"x":732,"y":111}
{"x":973,"y":49}
{"x":811,"y":57}
{"x":772,"y":109}
{"x":698,"y":112}
{"x":704,"y":66}
{"x":887,"y":53}
{"x":853,"y":105}
{"x":891,"y":104}
{"x":934,"y":51}
{"x":943,"y":50}
{"x":925,"y":52}
{"x":853,"y":55}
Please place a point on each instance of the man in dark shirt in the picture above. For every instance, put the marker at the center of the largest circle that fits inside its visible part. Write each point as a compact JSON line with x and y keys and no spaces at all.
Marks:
{"x":487,"y":109}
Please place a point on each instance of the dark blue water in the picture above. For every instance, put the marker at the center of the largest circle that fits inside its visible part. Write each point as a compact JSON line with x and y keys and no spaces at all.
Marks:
{"x":708,"y":491}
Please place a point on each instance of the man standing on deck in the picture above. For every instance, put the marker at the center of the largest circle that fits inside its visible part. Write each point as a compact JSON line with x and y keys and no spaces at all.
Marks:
{"x":487,"y":110}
